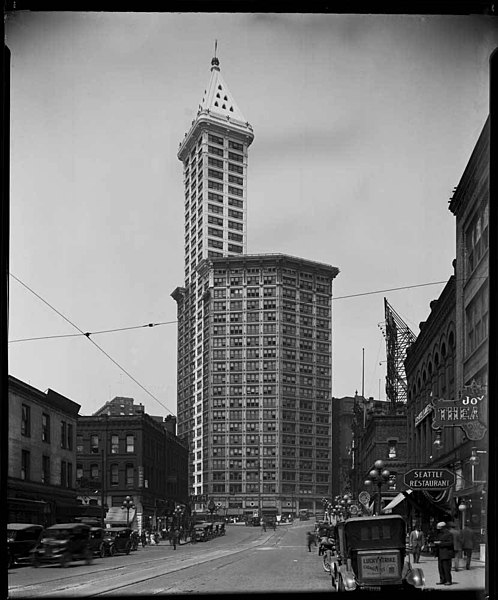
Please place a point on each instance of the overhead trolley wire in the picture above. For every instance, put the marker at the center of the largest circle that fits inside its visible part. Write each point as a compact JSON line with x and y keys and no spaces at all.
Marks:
{"x":87,"y":335}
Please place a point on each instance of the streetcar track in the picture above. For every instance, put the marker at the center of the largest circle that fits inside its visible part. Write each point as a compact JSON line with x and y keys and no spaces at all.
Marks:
{"x":180,"y":568}
{"x":59,"y":586}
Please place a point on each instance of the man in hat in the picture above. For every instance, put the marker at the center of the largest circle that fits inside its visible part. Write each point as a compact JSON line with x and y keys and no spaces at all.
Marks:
{"x":416,"y":542}
{"x":444,"y":545}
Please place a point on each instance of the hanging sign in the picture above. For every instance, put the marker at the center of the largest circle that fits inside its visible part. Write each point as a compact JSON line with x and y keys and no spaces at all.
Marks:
{"x":467,"y":412}
{"x":364,"y":498}
{"x":429,"y":479}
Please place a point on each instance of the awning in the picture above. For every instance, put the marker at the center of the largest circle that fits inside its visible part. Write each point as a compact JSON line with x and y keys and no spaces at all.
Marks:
{"x":117,"y":516}
{"x":396,"y":500}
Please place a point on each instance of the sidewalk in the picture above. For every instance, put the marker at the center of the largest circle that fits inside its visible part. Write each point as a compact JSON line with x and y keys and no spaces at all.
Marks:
{"x":472,"y":579}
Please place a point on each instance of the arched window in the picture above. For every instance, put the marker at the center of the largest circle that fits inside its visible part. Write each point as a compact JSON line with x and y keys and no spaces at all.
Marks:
{"x":451,"y":341}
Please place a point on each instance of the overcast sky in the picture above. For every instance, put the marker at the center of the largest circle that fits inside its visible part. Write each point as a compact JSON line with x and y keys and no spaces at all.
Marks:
{"x":363,"y":126}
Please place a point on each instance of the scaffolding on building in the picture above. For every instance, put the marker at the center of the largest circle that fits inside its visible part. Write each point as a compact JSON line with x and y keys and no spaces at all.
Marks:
{"x":398,"y":338}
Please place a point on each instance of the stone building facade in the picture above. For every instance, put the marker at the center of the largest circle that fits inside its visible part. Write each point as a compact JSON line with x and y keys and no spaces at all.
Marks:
{"x":265,"y":420}
{"x":41,"y":455}
{"x":140,"y":457}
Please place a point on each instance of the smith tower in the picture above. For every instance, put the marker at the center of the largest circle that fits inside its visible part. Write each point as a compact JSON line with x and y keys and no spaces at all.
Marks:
{"x":214,"y":156}
{"x":254,"y":338}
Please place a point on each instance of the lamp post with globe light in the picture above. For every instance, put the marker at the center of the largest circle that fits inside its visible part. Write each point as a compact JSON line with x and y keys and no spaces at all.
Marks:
{"x":128,"y":505}
{"x":378,"y":476}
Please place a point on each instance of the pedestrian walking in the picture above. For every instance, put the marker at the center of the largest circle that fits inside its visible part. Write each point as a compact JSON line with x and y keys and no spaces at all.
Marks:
{"x":416,"y":541}
{"x":310,"y":540}
{"x":457,"y":546}
{"x":444,"y":545}
{"x":467,"y":537}
{"x":143,"y":539}
{"x":174,"y":538}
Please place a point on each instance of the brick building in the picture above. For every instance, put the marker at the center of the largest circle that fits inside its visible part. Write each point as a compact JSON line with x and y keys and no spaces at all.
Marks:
{"x":41,"y":455}
{"x":379,"y":433}
{"x":342,"y":442}
{"x":140,"y":457}
{"x":470,"y":205}
{"x":430,"y":372}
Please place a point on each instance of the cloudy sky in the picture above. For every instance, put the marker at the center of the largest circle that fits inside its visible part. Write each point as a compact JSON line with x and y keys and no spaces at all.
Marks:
{"x":363,"y":126}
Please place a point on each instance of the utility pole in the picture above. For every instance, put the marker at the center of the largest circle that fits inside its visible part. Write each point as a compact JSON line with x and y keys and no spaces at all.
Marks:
{"x":363,"y":374}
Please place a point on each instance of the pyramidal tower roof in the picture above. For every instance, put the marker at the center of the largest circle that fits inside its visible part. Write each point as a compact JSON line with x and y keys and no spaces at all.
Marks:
{"x":217,"y":97}
{"x":217,"y":109}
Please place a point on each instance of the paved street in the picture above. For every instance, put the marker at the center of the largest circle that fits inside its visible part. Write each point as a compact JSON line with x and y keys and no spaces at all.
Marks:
{"x":246,"y":559}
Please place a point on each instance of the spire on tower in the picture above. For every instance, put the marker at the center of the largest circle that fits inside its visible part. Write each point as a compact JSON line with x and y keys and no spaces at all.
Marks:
{"x":215,"y":63}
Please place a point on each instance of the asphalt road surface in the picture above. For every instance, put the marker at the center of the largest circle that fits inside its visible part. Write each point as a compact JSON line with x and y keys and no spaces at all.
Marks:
{"x":245,"y":560}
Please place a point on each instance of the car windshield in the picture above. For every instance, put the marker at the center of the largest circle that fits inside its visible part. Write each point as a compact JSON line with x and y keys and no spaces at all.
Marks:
{"x":57,"y":534}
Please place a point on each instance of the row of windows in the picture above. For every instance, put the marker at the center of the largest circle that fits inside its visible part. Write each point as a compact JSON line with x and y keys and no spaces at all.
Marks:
{"x":230,"y":247}
{"x":65,"y":475}
{"x":129,"y":474}
{"x":215,"y":139}
{"x":95,"y":447}
{"x":66,"y":429}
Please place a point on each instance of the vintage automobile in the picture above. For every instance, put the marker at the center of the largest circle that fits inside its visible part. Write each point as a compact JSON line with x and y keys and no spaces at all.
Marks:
{"x":203,"y":531}
{"x":371,"y":555}
{"x":97,"y":546}
{"x":218,"y":528}
{"x":62,"y":544}
{"x":21,"y":539}
{"x":118,"y":539}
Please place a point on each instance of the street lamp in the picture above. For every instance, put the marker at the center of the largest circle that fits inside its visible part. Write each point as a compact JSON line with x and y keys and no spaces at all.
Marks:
{"x":438,"y":442}
{"x":128,"y":504}
{"x":378,"y":476}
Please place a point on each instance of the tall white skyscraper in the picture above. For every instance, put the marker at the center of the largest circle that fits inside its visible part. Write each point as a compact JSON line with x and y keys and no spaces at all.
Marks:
{"x":254,"y":337}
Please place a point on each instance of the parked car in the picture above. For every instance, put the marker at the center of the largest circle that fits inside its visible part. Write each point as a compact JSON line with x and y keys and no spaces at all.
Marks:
{"x":97,"y":546}
{"x":118,"y":539}
{"x":203,"y":532}
{"x":62,"y":544}
{"x":21,"y":539}
{"x":371,"y":555}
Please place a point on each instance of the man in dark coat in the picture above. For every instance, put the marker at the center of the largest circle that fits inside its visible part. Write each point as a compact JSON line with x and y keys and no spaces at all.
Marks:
{"x":445,"y":553}
{"x":467,"y":537}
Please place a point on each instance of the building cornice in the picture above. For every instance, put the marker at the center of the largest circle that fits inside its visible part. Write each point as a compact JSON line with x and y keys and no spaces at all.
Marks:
{"x":476,"y":162}
{"x":214,"y":123}
{"x":49,"y":398}
{"x":431,"y":328}
{"x":283,"y":260}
